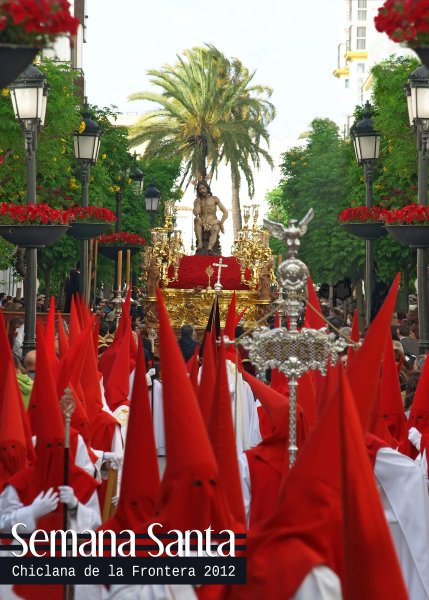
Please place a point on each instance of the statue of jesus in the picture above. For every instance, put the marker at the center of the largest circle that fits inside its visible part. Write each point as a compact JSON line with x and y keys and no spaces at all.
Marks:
{"x":206,"y":224}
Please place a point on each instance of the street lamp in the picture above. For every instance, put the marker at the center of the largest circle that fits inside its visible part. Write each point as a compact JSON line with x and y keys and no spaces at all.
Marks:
{"x":86,"y":148}
{"x":29,"y":94}
{"x":366,"y":141}
{"x":137,"y":176}
{"x":152,"y":197}
{"x":417,"y":90}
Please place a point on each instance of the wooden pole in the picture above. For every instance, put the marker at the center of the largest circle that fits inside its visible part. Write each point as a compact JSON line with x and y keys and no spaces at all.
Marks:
{"x":95,"y":268}
{"x":90,"y":262}
{"x":111,"y":488}
{"x":119,"y":271}
{"x":128,"y":269}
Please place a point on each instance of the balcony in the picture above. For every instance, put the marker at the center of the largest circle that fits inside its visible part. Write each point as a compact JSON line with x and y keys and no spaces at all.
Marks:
{"x":356,"y":55}
{"x":341,"y":72}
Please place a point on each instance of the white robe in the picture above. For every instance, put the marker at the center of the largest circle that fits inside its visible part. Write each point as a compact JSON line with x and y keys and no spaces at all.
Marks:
{"x":403,"y":490}
{"x":13,"y":511}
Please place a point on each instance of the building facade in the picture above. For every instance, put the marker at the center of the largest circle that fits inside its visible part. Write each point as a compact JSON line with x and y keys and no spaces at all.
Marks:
{"x":360,"y":47}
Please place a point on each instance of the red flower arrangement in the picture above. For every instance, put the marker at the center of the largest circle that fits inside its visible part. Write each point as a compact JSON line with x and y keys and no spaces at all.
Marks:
{"x":404,"y":21}
{"x":362,"y":214}
{"x":31,"y":214}
{"x":35,"y":22}
{"x":91,"y":214}
{"x":121,"y":239}
{"x":413,"y":214}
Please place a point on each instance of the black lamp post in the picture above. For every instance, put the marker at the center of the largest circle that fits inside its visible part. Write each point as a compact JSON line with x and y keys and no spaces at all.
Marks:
{"x":417,"y":90}
{"x":137,"y":176}
{"x":366,"y":143}
{"x":86,"y":148}
{"x":152,"y":197}
{"x":29,"y":93}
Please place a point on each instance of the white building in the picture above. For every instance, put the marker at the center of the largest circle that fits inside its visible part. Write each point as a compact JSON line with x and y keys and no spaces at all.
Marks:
{"x":360,"y":47}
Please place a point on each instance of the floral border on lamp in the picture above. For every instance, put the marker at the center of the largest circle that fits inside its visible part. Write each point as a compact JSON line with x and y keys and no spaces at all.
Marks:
{"x":27,"y":26}
{"x":406,"y":22}
{"x":123,"y":238}
{"x":32,"y":225}
{"x":31,"y":214}
{"x":88,"y":222}
{"x":409,"y":225}
{"x":91,"y":214}
{"x":412,"y":214}
{"x":364,"y":222}
{"x":35,"y":23}
{"x":362,"y":214}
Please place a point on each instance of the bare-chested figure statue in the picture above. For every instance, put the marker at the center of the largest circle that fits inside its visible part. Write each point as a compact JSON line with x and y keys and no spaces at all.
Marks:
{"x":205,"y":207}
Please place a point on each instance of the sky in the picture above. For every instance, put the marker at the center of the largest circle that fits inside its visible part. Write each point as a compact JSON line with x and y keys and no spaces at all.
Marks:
{"x":291,"y":44}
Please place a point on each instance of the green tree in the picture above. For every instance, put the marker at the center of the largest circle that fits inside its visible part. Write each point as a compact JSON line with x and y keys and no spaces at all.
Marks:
{"x":58,"y":174}
{"x":315,"y":176}
{"x":209,"y":112}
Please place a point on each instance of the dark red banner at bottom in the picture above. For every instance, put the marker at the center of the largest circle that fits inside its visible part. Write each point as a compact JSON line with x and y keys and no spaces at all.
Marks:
{"x":124,"y":571}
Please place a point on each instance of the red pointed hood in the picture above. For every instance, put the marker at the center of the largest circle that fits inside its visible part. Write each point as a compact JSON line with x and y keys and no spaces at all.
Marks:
{"x":306,"y":398}
{"x":50,"y":335}
{"x":138,"y":494}
{"x":13,"y":441}
{"x":329,"y":514}
{"x":378,"y":426}
{"x":206,"y":389}
{"x":48,"y":426}
{"x":273,"y":448}
{"x":313,"y":311}
{"x":193,"y":367}
{"x":365,"y":528}
{"x":63,"y":340}
{"x":222,"y":437}
{"x":108,"y":358}
{"x":90,"y":382}
{"x":391,"y":406}
{"x":5,"y":364}
{"x":69,"y":375}
{"x":117,"y":386}
{"x":278,"y":379}
{"x":366,"y":365}
{"x":231,"y":322}
{"x":274,"y":403}
{"x":192,"y":495}
{"x":74,"y":323}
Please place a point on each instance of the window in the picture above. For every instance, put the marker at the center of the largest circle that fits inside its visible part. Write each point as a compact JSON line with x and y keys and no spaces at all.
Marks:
{"x":347,"y":83}
{"x":361,"y":38}
{"x":360,"y":68}
{"x":360,"y":90}
{"x":362,"y":10}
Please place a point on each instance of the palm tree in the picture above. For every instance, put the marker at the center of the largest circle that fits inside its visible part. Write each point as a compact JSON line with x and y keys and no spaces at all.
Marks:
{"x":209,"y":112}
{"x":252,"y":113}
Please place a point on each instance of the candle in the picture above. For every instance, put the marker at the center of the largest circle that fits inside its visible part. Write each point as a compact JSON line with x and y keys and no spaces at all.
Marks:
{"x":127,"y":275}
{"x":119,"y":271}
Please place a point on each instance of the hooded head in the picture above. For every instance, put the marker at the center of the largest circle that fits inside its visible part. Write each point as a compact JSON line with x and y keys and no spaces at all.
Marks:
{"x":191,"y":495}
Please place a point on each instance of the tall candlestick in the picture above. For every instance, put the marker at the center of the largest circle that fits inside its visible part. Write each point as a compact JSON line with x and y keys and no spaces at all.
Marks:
{"x":128,"y":270}
{"x":119,"y":271}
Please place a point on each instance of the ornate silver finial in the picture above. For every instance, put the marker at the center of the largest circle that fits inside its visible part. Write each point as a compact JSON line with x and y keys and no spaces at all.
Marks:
{"x":290,"y":234}
{"x":291,"y":351}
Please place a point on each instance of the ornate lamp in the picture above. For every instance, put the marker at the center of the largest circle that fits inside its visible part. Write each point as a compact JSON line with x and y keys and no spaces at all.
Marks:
{"x":152,"y":197}
{"x":29,"y":95}
{"x":86,"y":148}
{"x":366,"y":141}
